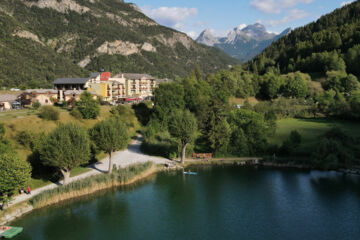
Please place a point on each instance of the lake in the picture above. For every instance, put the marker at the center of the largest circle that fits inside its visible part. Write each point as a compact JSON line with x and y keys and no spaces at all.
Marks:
{"x":218,"y":203}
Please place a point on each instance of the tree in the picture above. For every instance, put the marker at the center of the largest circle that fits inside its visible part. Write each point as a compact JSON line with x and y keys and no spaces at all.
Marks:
{"x":354,"y":102}
{"x":67,"y":147}
{"x":109,"y":136}
{"x":167,"y":97}
{"x":254,"y":129}
{"x":296,"y":85}
{"x":183,"y":127}
{"x":14,"y":174}
{"x":295,"y":138}
{"x":271,"y":85}
{"x":88,"y":106}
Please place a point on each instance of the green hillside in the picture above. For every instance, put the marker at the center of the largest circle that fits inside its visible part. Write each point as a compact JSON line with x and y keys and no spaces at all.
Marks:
{"x":330,"y":43}
{"x":41,"y":40}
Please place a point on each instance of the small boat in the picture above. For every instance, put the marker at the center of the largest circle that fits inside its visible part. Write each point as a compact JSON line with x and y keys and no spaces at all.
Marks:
{"x":190,"y":173}
{"x":8,"y":232}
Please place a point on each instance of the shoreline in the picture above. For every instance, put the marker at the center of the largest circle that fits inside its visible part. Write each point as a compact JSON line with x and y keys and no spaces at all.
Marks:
{"x":20,"y":209}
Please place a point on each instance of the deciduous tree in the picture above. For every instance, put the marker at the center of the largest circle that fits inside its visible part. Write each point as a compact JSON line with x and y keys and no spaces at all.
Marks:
{"x":14,"y":174}
{"x":67,"y":147}
{"x":183,"y":127}
{"x":110,"y":135}
{"x":87,"y":106}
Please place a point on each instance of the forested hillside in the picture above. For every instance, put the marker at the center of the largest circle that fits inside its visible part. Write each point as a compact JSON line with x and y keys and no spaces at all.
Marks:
{"x":331,"y":43}
{"x":41,"y":40}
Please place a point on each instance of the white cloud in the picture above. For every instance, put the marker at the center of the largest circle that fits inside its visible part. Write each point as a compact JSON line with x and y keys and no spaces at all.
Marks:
{"x":276,"y":6}
{"x":294,"y":14}
{"x":346,"y":3}
{"x":173,"y":17}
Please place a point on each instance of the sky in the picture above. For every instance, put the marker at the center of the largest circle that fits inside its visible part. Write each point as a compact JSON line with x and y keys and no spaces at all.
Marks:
{"x":220,"y":16}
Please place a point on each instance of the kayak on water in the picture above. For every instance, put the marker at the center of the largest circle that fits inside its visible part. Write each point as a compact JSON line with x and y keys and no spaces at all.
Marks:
{"x":190,"y":173}
{"x":9,"y":232}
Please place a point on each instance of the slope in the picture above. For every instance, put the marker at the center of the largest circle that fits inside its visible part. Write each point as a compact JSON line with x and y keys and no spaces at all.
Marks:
{"x":330,"y":43}
{"x":44,"y":39}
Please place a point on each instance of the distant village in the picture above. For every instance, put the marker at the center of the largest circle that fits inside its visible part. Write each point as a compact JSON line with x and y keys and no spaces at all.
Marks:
{"x":122,"y":88}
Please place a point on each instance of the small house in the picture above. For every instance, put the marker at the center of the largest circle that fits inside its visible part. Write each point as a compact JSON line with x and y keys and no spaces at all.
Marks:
{"x":42,"y":96}
{"x":7,"y":100}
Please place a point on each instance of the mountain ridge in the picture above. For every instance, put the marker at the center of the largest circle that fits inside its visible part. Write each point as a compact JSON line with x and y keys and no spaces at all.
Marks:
{"x":241,"y":42}
{"x":45,"y":39}
{"x":332,"y":43}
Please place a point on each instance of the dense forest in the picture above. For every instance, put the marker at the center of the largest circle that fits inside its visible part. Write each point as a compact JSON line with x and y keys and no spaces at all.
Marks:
{"x":332,"y":43}
{"x":39,"y":43}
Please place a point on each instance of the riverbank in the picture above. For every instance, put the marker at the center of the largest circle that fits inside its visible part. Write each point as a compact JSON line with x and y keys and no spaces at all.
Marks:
{"x":83,"y":187}
{"x":261,"y":162}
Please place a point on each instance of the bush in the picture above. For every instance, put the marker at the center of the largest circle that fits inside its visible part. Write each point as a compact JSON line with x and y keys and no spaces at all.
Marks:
{"x":49,"y":113}
{"x":36,"y":105}
{"x":88,"y":107}
{"x":26,"y":138}
{"x":76,"y":113}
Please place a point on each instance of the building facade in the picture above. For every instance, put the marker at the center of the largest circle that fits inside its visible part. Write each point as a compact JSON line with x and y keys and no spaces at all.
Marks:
{"x":112,"y":89}
{"x":42,"y":96}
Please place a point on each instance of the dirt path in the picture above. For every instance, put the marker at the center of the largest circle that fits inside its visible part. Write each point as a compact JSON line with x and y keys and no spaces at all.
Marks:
{"x":132,"y":155}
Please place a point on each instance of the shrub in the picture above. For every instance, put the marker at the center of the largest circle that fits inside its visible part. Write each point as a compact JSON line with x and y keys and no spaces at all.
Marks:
{"x":36,"y":105}
{"x":26,"y":138}
{"x":76,"y":113}
{"x":49,"y":113}
{"x":88,"y":107}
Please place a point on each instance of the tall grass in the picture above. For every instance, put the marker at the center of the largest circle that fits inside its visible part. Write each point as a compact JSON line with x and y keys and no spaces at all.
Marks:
{"x":92,"y":184}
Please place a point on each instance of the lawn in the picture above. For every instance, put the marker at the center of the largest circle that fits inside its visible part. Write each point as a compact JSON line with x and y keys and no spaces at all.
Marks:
{"x":311,"y":130}
{"x":252,"y":101}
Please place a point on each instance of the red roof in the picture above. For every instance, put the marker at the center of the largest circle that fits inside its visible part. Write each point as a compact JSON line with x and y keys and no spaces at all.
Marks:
{"x":105,"y":76}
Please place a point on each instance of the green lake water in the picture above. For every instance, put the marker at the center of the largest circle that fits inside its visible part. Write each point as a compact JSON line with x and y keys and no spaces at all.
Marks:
{"x":218,"y":203}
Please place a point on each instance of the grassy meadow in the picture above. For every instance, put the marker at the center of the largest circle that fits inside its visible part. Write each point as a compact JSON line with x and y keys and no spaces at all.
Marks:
{"x":17,"y":121}
{"x":311,"y":130}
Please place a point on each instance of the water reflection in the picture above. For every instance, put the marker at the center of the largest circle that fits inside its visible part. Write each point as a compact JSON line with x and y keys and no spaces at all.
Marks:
{"x":218,"y":203}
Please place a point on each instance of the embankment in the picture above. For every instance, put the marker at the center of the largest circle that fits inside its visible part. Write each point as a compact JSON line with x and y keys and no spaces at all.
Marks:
{"x":119,"y":177}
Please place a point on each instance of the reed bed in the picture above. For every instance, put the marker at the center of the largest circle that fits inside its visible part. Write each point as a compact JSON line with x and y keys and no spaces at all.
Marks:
{"x":92,"y":184}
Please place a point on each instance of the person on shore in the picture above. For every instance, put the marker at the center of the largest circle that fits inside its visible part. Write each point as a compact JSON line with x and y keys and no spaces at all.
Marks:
{"x":21,"y":190}
{"x":29,"y":190}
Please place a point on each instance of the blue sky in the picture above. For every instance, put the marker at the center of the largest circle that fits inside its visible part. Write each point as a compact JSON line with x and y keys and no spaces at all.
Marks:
{"x":193,"y":16}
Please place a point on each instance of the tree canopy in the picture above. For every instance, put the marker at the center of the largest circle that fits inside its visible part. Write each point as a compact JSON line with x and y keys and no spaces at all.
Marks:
{"x":67,"y":147}
{"x":14,"y":174}
{"x":183,"y":127}
{"x":88,"y":106}
{"x":109,"y":136}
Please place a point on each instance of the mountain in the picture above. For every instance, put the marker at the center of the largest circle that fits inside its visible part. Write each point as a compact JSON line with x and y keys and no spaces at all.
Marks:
{"x":44,"y":39}
{"x":330,"y":43}
{"x":242,"y":43}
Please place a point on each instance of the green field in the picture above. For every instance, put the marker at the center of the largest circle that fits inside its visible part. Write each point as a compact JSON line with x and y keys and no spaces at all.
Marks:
{"x":311,"y":130}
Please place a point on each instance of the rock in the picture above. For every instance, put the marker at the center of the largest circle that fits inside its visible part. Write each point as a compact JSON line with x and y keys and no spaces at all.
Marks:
{"x":27,"y":35}
{"x":118,"y":47}
{"x":63,"y":6}
{"x":83,"y":63}
{"x":148,"y":47}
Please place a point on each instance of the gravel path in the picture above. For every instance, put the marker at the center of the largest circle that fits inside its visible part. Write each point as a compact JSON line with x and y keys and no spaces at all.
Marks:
{"x":132,"y":155}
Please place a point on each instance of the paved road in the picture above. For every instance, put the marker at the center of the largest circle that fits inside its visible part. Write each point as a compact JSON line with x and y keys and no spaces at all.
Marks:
{"x":131,"y":155}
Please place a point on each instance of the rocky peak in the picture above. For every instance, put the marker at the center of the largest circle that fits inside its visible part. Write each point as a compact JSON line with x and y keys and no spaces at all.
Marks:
{"x":257,"y":31}
{"x":207,"y":38}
